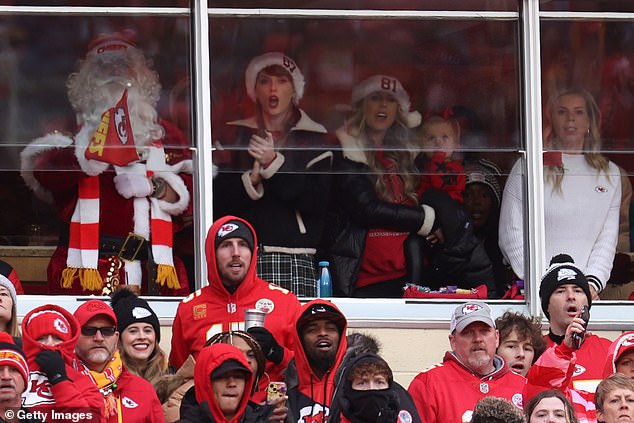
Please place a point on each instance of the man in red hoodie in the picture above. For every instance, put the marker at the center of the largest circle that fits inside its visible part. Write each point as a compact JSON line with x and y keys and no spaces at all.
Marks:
{"x":231,"y":250}
{"x":320,"y":345}
{"x":222,"y":381}
{"x":127,"y":397}
{"x":49,"y":336}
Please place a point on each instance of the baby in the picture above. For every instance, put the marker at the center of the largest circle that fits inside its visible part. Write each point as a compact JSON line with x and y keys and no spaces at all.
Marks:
{"x":440,"y":165}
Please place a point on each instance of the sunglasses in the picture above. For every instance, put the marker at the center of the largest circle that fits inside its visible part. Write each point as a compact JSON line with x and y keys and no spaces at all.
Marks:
{"x":105,"y":331}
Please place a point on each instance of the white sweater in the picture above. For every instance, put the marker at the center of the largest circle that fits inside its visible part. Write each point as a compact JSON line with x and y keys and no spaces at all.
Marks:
{"x":581,"y":220}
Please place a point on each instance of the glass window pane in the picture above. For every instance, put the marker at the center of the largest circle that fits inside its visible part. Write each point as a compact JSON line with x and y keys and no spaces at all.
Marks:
{"x":587,"y":83}
{"x":447,"y":68}
{"x":469,"y":5}
{"x":142,"y":95}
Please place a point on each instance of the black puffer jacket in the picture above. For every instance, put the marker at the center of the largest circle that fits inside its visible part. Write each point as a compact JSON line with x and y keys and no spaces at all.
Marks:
{"x":461,"y":260}
{"x":359,"y":208}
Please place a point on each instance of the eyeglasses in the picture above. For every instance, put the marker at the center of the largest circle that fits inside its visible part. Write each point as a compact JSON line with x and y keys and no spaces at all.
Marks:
{"x":105,"y":331}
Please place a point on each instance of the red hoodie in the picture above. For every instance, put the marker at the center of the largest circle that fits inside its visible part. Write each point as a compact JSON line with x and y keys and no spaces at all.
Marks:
{"x":213,"y":309}
{"x":209,"y":359}
{"x":77,"y":394}
{"x":310,"y":398}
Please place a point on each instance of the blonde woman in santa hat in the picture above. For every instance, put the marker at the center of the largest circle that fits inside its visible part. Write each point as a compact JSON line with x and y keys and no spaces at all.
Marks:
{"x":377,"y":191}
{"x":277,"y":173}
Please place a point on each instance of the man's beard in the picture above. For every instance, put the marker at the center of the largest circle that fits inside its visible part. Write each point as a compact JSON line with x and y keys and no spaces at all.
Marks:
{"x":479,"y":361}
{"x":322,"y":362}
{"x":143,"y":115}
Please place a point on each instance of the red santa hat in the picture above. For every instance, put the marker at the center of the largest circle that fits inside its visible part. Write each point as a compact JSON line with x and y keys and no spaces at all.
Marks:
{"x":110,"y":43}
{"x":48,"y":322}
{"x":12,"y":355}
{"x":392,"y":86}
{"x":269,"y":59}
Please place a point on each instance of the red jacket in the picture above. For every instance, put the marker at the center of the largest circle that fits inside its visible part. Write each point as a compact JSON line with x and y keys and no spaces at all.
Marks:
{"x":556,"y":367}
{"x":211,"y":358}
{"x":443,"y":174}
{"x":590,"y":362}
{"x":139,"y":402}
{"x":310,"y":398}
{"x":449,"y":391}
{"x":78,"y":393}
{"x":213,"y":309}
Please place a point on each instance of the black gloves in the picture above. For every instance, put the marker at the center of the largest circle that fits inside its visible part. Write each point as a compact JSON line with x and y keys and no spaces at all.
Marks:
{"x":272,"y":350}
{"x":52,"y":363}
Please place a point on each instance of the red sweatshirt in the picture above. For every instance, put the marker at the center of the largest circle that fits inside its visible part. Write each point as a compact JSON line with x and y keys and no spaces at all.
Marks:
{"x":213,"y":309}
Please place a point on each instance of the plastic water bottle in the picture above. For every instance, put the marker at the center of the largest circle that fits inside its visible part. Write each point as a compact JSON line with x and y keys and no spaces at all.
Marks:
{"x":324,"y":288}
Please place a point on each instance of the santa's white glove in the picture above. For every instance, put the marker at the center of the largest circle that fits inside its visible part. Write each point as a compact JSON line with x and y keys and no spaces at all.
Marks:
{"x":133,"y":185}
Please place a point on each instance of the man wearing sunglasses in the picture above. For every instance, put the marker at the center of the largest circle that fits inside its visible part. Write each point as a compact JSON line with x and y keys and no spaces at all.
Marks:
{"x":125,"y":393}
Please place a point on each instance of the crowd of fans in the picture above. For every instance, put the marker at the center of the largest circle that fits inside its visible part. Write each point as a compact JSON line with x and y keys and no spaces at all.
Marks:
{"x":300,"y":363}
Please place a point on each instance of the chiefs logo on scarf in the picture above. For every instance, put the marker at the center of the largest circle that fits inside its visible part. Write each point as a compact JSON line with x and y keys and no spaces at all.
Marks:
{"x":113,"y":142}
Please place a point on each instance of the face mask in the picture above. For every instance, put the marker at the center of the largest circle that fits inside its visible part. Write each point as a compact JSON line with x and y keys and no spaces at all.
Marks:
{"x":380,"y":406}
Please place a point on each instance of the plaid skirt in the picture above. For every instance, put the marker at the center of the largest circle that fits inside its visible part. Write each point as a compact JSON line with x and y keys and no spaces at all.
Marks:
{"x":295,"y":272}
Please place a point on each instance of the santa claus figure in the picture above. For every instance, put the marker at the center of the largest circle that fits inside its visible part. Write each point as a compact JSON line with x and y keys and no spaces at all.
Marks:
{"x":121,"y":183}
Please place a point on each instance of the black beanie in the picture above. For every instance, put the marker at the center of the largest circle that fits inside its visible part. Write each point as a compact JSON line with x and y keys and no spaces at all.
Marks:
{"x":562,"y":271}
{"x":234,"y":229}
{"x":131,"y":309}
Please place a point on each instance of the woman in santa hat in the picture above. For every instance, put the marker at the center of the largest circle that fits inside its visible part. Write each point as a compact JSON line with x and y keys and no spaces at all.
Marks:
{"x":377,"y":192}
{"x":276,"y":175}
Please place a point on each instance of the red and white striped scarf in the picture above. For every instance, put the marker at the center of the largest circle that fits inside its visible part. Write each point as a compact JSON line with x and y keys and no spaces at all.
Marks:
{"x":150,"y":222}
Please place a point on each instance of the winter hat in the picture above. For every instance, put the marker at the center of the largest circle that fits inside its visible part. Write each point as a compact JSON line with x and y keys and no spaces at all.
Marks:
{"x":111,"y":43}
{"x":562,"y":271}
{"x":484,"y":172}
{"x":468,"y":313}
{"x":625,"y":344}
{"x":228,"y":366}
{"x":269,"y":59}
{"x":321,"y":312}
{"x":234,"y":229}
{"x":5,"y":282}
{"x":389,"y":85}
{"x":48,"y":322}
{"x":91,"y":309}
{"x":131,"y":309}
{"x":12,"y":355}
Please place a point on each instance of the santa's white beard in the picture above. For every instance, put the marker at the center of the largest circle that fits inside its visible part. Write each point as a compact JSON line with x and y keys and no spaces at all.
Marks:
{"x":142,"y":114}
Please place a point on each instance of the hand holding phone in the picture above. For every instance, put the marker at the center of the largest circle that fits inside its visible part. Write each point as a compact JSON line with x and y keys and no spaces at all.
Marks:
{"x":274,"y":391}
{"x":578,"y":338}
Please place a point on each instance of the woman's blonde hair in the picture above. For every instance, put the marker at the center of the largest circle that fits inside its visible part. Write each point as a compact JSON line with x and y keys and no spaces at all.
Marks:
{"x":12,"y":327}
{"x":554,"y":174}
{"x":397,"y":146}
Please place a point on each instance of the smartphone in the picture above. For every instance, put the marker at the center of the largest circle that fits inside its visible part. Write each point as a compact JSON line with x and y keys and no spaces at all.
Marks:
{"x":578,"y":338}
{"x":275,"y":390}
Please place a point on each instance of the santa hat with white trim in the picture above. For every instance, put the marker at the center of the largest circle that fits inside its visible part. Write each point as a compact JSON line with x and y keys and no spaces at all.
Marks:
{"x":269,"y":59}
{"x":390,"y":85}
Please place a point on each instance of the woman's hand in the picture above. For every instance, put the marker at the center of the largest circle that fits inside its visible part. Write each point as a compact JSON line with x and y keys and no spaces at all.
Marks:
{"x":436,"y":237}
{"x":280,"y":410}
{"x":262,"y":149}
{"x":256,"y":177}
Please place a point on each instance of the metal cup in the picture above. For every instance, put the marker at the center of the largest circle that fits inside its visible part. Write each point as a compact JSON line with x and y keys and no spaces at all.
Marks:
{"x":253,"y":317}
